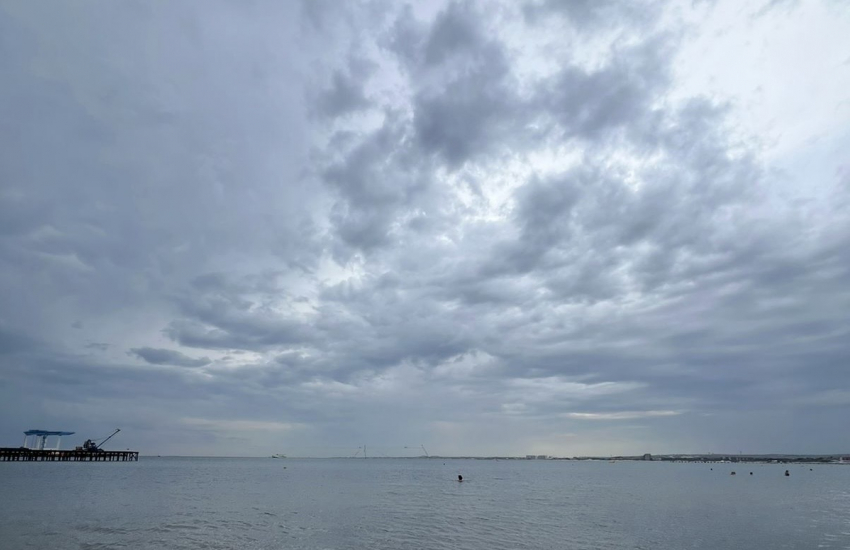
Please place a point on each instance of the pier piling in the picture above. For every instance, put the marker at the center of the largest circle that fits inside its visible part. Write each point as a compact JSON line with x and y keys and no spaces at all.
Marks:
{"x":16,"y":454}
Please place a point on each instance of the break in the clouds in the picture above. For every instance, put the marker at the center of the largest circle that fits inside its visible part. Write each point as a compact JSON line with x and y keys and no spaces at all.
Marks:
{"x":573,"y":227}
{"x":156,"y":356}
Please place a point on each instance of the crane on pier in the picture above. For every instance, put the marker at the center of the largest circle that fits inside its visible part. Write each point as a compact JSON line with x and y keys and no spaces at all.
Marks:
{"x":93,"y":446}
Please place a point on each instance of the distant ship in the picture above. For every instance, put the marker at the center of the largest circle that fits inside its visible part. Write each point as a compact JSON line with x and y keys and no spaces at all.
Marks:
{"x":278,"y":456}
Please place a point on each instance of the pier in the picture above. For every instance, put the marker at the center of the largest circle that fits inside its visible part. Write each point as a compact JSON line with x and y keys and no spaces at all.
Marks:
{"x":15,"y":454}
{"x":35,"y":449}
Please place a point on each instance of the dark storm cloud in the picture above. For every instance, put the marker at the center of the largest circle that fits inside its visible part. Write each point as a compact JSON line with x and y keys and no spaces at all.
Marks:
{"x":344,"y":96}
{"x":366,"y":222}
{"x":376,"y":180}
{"x":474,"y":107}
{"x":158,"y":356}
{"x":221,"y":312}
{"x":383,"y":172}
{"x":590,"y":103}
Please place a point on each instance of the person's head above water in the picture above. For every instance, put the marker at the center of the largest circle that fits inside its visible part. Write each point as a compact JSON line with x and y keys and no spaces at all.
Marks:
{"x":459,"y":477}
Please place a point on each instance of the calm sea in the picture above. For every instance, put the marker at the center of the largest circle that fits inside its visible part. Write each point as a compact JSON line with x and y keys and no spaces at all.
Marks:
{"x":416,"y":503}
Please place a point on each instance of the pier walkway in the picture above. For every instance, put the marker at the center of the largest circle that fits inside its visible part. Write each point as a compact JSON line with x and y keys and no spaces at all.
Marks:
{"x":14,"y":454}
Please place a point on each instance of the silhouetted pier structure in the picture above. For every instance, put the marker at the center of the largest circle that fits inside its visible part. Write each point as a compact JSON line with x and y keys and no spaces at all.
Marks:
{"x":35,"y":449}
{"x":15,"y":454}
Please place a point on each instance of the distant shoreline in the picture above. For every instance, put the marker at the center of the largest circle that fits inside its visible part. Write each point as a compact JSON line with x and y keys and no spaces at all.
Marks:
{"x":676,"y":458}
{"x":713,"y":459}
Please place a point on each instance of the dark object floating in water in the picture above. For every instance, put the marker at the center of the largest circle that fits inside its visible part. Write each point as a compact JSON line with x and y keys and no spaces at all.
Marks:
{"x":733,"y":473}
{"x":459,"y":477}
{"x":787,"y":473}
{"x":751,"y":473}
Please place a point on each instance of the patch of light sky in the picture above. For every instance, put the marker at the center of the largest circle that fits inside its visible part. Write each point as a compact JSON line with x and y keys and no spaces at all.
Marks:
{"x":464,"y":367}
{"x":741,"y":55}
{"x":784,"y":71}
{"x":539,"y":51}
{"x":499,"y":179}
{"x":545,"y":389}
{"x":623,"y":415}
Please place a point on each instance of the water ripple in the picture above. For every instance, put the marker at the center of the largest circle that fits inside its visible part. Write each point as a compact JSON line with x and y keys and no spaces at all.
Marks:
{"x":416,"y":504}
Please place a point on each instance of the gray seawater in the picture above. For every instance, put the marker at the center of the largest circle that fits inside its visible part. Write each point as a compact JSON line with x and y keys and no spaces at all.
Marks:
{"x":416,"y":503}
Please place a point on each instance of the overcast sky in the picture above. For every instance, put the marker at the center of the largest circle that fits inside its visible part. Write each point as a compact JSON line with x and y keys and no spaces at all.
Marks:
{"x":563,"y":227}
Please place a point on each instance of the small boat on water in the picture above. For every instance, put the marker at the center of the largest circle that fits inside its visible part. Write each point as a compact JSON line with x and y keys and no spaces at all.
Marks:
{"x":278,"y":456}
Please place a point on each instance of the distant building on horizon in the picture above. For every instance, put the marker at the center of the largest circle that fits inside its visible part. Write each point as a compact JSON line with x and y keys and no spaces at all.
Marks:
{"x":647,"y":456}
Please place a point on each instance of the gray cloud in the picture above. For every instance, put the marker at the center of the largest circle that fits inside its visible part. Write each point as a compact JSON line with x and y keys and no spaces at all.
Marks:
{"x":370,"y":189}
{"x":102,"y":346}
{"x":378,"y":223}
{"x":475,"y":108}
{"x":590,"y":15}
{"x":590,"y":104}
{"x":158,"y":356}
{"x":344,"y":96}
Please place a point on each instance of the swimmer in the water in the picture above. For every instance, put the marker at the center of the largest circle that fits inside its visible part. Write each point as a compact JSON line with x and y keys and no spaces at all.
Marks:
{"x":459,"y":477}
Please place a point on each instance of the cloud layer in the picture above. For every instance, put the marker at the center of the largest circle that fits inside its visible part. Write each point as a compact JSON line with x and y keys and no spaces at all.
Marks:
{"x":489,"y":229}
